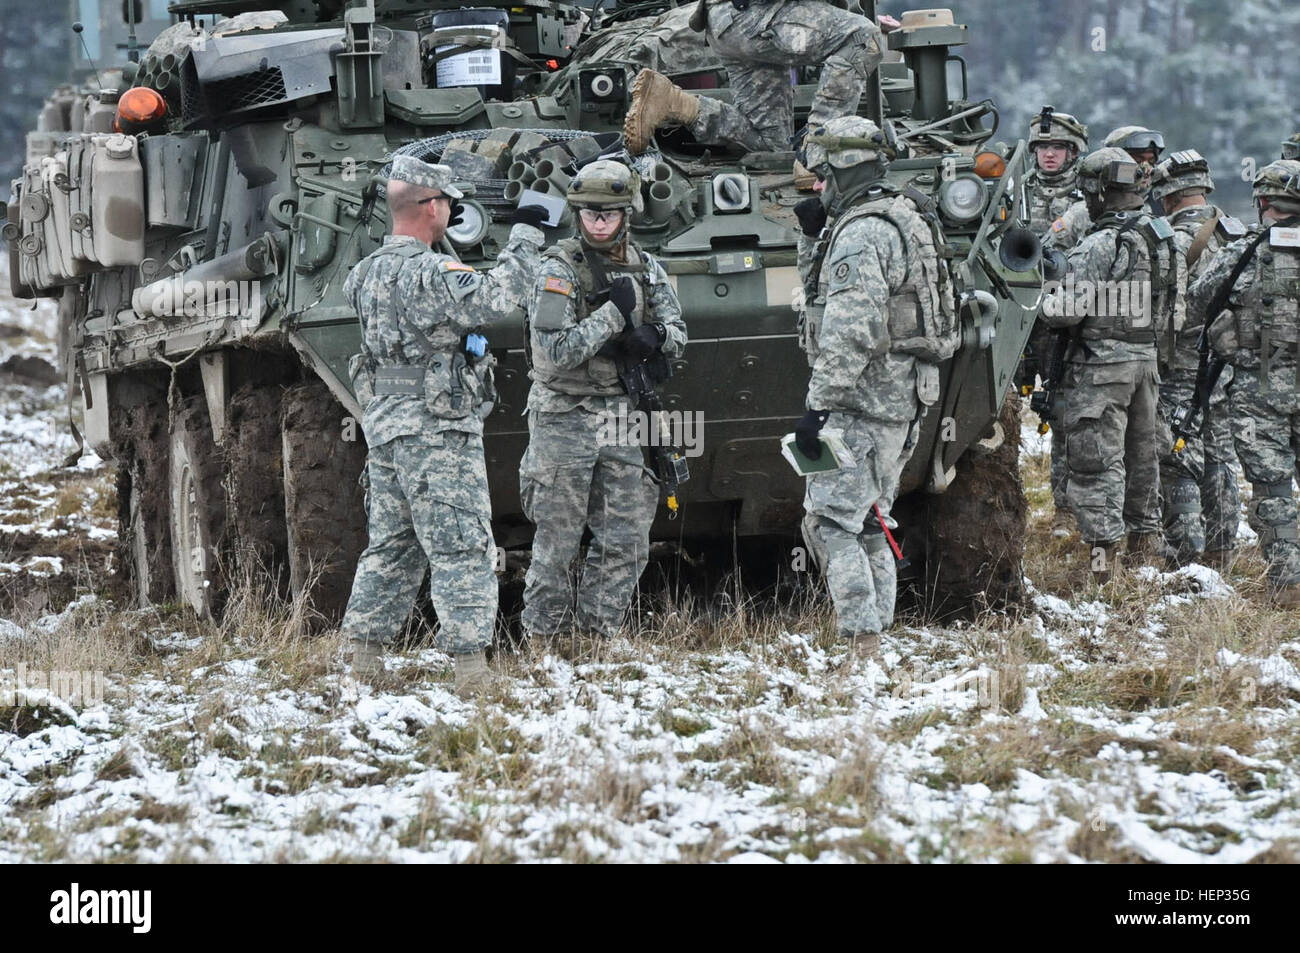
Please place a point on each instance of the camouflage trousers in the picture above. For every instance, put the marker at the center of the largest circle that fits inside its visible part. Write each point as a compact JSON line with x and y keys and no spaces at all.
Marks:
{"x":841,"y":527}
{"x":1199,"y":497}
{"x":428,"y":509}
{"x":572,"y":477}
{"x":1266,"y":428}
{"x":1112,"y":449}
{"x":758,"y":61}
{"x":1040,"y":345}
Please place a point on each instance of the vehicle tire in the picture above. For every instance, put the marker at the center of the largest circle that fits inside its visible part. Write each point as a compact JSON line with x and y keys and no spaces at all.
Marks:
{"x":325,"y":517}
{"x":975,"y":532}
{"x":198,"y":511}
{"x":144,"y":525}
{"x":255,"y":481}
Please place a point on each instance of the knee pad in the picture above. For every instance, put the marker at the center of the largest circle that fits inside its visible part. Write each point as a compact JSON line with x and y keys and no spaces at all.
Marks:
{"x":1279,"y":527}
{"x":1184,"y":496}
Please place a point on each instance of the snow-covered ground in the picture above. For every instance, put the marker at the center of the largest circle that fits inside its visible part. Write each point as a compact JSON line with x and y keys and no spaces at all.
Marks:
{"x":1159,"y":721}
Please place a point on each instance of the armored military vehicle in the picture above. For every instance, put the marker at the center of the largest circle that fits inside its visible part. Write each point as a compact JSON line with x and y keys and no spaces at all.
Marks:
{"x":199,"y":248}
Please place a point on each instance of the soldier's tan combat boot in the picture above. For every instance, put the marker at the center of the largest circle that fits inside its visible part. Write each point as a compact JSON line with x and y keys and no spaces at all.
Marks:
{"x":473,"y":677}
{"x":368,"y":662}
{"x":656,"y":102}
{"x":804,"y":180}
{"x":1286,"y":597}
{"x":1146,"y":549}
{"x":1220,"y":559}
{"x":1063,"y":525}
{"x":1103,"y":561}
{"x":865,"y":646}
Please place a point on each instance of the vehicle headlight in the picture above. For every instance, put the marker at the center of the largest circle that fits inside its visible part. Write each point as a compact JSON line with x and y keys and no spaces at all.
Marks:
{"x":962,"y":199}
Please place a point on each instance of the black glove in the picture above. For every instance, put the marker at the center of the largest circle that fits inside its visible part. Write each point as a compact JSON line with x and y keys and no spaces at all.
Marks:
{"x":806,"y":431}
{"x":613,"y":348}
{"x":623,"y":293}
{"x":644,"y":341}
{"x":456,"y":214}
{"x":534,"y":215}
{"x":812,"y":216}
{"x":1055,"y":264}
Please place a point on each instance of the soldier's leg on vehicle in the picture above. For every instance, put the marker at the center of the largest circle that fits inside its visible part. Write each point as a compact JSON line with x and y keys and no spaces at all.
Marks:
{"x":848,"y":46}
{"x":620,"y":510}
{"x":1094,"y":424}
{"x":555,"y":485}
{"x":1263,"y":441}
{"x":445,"y":479}
{"x":761,"y":114}
{"x":392,"y":566}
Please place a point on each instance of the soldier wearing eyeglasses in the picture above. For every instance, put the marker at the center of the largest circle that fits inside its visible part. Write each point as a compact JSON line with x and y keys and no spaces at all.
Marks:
{"x":598,"y":299}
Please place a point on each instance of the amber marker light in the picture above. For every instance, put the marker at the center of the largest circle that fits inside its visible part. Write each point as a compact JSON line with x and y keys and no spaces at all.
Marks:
{"x":990,"y":165}
{"x":138,"y":108}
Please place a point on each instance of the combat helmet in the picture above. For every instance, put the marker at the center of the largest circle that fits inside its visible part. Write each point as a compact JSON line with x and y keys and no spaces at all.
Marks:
{"x":851,"y":153}
{"x":606,"y":184}
{"x":1291,"y":147}
{"x":1279,"y":182}
{"x":847,"y":141}
{"x":1180,"y":171}
{"x":1052,"y":126}
{"x":1136,"y":139}
{"x":1109,"y":172}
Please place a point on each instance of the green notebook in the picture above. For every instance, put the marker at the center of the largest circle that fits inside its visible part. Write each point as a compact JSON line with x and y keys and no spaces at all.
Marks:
{"x":835,"y":455}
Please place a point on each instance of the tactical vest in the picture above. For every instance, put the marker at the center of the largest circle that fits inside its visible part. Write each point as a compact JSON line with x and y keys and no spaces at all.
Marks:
{"x":451,"y":386}
{"x":1190,"y":222}
{"x":921,"y":314}
{"x":1266,"y":316}
{"x":1155,"y":265}
{"x":598,"y":376}
{"x":1050,"y":196}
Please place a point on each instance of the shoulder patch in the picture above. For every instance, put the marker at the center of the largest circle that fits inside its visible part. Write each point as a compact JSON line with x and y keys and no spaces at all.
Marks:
{"x":842,"y":273}
{"x":1059,"y":224}
{"x":1284,"y":237}
{"x":456,"y":266}
{"x":559,"y":286}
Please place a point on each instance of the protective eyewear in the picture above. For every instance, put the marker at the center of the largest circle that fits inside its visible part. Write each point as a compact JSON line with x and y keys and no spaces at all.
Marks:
{"x":592,"y":216}
{"x":1142,"y":141}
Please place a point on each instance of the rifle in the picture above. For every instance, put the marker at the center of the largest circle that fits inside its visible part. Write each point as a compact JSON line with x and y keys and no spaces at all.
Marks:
{"x":639,"y":380}
{"x":1043,"y":401}
{"x":1185,"y":420}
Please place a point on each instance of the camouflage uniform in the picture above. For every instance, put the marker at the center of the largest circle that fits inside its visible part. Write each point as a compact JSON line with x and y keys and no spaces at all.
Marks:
{"x":881,"y":321}
{"x":1058,"y":216}
{"x":760,"y":44}
{"x":1257,"y":334}
{"x":1200,"y":501}
{"x":572,"y":476}
{"x":1111,"y":427}
{"x":428,"y":501}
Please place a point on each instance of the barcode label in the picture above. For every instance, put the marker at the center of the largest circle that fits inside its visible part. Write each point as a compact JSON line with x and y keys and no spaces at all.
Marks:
{"x":478,"y":68}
